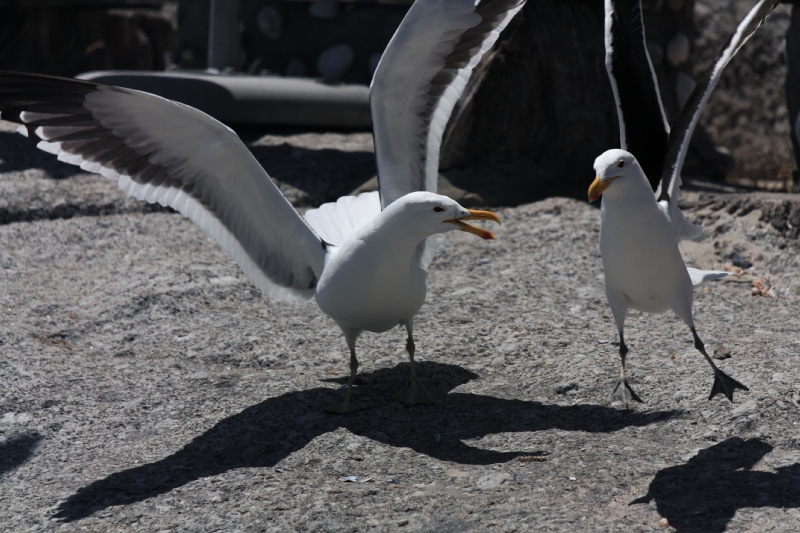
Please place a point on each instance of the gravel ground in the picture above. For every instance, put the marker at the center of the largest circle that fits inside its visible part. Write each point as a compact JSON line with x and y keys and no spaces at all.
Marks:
{"x":145,"y":385}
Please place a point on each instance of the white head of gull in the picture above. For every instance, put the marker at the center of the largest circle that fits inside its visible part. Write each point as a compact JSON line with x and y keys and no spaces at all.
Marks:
{"x":365,"y":257}
{"x":641,"y":223}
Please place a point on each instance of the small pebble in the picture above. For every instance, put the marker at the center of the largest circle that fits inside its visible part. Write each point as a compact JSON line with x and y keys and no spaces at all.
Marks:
{"x":722,"y":352}
{"x":663,"y":522}
{"x":563,"y":388}
{"x":392,"y":480}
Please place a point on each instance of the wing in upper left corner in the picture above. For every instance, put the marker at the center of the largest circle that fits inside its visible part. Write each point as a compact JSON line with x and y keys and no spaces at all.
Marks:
{"x":162,"y":151}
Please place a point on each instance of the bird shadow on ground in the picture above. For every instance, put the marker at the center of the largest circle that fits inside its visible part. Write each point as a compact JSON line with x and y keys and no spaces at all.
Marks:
{"x":265,"y":433}
{"x":704,"y":494}
{"x":15,"y":451}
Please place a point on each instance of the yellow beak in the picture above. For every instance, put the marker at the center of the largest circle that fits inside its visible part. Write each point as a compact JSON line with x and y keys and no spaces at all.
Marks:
{"x":598,"y":186}
{"x":475,"y":215}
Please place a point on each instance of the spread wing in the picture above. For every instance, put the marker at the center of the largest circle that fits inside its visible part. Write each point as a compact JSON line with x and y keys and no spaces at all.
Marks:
{"x":165,"y":152}
{"x":669,"y":194}
{"x":421,"y":75}
{"x":643,"y":126}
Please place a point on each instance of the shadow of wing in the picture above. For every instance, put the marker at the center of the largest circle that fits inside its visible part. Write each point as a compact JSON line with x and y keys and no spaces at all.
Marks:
{"x":17,"y":450}
{"x":705,"y":493}
{"x":264,"y":434}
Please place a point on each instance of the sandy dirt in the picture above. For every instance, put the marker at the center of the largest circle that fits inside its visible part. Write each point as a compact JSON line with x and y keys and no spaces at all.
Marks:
{"x":145,"y":385}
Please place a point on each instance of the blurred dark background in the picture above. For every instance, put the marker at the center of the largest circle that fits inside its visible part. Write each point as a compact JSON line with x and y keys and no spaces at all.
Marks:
{"x":537,"y":111}
{"x":67,"y":37}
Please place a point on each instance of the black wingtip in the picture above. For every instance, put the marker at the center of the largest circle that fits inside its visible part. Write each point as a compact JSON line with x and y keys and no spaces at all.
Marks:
{"x":643,"y":130}
{"x":684,"y":126}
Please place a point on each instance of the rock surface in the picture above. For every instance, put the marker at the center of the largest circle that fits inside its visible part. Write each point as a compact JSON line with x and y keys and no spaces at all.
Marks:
{"x":747,"y":111}
{"x":145,"y":385}
{"x":566,"y":112}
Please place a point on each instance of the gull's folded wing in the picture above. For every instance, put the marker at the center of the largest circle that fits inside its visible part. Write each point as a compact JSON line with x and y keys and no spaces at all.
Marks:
{"x":643,"y":127}
{"x":669,"y":195}
{"x":337,"y":221}
{"x":421,"y":75}
{"x":165,"y":152}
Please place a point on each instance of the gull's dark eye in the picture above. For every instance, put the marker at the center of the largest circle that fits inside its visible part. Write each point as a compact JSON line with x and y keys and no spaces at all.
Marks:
{"x":621,"y":164}
{"x":438,"y":209}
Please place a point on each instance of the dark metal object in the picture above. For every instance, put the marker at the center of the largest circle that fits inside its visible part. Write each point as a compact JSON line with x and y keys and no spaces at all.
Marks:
{"x":223,"y":38}
{"x":251,"y":99}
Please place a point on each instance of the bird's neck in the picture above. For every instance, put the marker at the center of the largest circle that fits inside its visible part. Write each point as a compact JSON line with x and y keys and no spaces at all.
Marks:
{"x":391,"y":236}
{"x":637,"y":194}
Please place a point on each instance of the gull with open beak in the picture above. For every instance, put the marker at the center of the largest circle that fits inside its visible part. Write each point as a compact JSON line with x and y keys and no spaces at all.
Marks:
{"x":641,"y":223}
{"x":372,"y":284}
{"x":363,"y":258}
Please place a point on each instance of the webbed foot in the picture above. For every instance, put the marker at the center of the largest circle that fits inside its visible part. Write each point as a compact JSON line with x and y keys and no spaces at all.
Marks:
{"x":413,"y":393}
{"x":724,"y":384}
{"x":624,"y":392}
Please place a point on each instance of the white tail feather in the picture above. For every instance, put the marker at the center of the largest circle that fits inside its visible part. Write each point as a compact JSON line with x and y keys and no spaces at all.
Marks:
{"x":684,"y":230}
{"x":701,"y":276}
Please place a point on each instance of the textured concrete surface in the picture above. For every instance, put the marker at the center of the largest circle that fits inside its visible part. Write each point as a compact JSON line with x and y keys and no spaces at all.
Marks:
{"x":145,"y":385}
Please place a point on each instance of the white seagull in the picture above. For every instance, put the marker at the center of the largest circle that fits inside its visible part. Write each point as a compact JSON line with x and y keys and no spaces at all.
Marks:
{"x":640,"y":230}
{"x":363,"y":258}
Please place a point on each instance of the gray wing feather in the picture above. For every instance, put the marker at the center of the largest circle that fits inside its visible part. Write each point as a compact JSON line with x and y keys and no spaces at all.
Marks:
{"x":668,"y":193}
{"x":165,"y":152}
{"x":419,"y":79}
